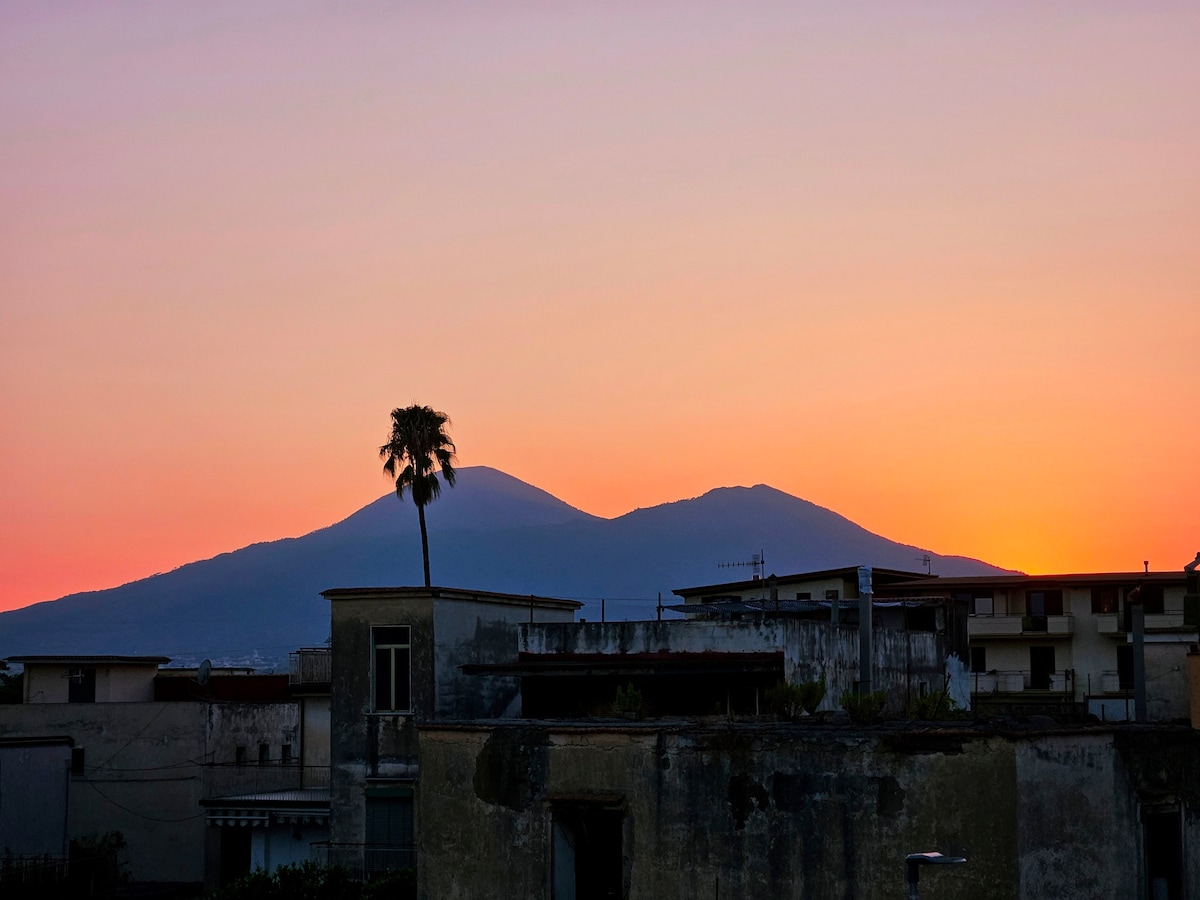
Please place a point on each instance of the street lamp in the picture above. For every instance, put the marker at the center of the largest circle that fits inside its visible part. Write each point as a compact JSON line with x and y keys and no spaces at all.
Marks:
{"x":933,"y":858}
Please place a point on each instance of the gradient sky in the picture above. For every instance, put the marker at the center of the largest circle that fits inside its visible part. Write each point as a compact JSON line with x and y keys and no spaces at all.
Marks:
{"x":935,"y":266}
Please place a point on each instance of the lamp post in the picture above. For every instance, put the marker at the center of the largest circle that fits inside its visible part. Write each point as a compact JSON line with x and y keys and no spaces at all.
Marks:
{"x":916,"y":860}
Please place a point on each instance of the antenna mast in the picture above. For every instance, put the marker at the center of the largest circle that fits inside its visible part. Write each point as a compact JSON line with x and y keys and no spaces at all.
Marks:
{"x":757,"y":564}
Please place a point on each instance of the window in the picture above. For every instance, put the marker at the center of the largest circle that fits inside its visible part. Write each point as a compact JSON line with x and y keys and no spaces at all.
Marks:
{"x":978,"y":603}
{"x":239,"y":755}
{"x":804,"y":595}
{"x":1040,"y":604}
{"x":81,"y":685}
{"x":979,"y":659}
{"x":392,"y":653}
{"x":389,"y":832}
{"x":285,"y":755}
{"x":1104,"y":600}
{"x":264,"y":754}
{"x":76,"y":760}
{"x":1152,"y":599}
{"x":831,"y":594}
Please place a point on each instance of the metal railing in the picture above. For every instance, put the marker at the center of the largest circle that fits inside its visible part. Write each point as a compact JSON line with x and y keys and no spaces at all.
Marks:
{"x":310,"y":665}
{"x":1015,"y":681}
{"x":231,"y":780}
{"x":365,"y":860}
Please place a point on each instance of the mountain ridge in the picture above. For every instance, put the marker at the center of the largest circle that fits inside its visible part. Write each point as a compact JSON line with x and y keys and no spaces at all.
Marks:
{"x":491,"y":532}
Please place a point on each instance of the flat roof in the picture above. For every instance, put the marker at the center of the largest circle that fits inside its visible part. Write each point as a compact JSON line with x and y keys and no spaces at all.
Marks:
{"x":843,"y":571}
{"x":90,"y":660}
{"x":445,"y":593}
{"x":592,"y":664}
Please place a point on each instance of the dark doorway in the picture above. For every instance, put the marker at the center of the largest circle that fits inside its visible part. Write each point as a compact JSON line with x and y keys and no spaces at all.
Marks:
{"x":81,"y":686}
{"x":1041,"y":667}
{"x":1164,"y":855}
{"x":587,"y":853}
{"x":1125,"y":667}
{"x":235,"y":853}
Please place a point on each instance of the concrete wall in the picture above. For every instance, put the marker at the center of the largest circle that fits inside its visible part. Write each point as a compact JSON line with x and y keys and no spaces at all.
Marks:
{"x":35,"y":783}
{"x":115,"y":683}
{"x":446,"y":633}
{"x":480,"y":632}
{"x":314,"y":737}
{"x":145,"y":773}
{"x":903,"y":660}
{"x":796,"y":812}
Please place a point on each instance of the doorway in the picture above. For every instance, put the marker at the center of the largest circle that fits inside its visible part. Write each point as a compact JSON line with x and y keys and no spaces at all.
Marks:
{"x":587,"y":861}
{"x":1041,"y":667}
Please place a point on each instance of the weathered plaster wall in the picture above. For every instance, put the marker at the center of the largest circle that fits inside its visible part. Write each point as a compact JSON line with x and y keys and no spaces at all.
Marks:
{"x":145,"y":773}
{"x":115,"y":683}
{"x":480,"y":632}
{"x":141,"y":777}
{"x":314,"y":740}
{"x":903,"y":660}
{"x":34,"y":786}
{"x":787,"y":812}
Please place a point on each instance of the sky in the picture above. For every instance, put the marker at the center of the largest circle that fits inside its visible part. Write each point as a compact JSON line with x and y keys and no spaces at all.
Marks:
{"x":935,"y":266}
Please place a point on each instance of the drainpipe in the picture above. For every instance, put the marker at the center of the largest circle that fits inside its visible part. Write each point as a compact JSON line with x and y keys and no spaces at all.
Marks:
{"x":865,"y":651}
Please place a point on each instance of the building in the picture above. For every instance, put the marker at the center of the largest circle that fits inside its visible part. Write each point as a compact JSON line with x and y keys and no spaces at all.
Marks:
{"x":171,"y":759}
{"x":397,"y":657}
{"x":1065,"y":642}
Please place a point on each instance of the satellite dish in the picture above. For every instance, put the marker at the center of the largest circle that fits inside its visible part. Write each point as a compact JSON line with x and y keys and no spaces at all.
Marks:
{"x":203,"y":672}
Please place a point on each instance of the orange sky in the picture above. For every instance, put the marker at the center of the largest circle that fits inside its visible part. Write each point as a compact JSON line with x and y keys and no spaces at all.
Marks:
{"x":931,"y":266}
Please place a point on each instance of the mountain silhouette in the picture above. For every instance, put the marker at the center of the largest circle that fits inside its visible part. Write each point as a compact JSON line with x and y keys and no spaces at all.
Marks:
{"x":491,"y":532}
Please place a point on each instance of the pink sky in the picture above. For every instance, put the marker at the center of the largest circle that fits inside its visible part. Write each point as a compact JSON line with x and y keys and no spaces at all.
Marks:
{"x":934,"y":267}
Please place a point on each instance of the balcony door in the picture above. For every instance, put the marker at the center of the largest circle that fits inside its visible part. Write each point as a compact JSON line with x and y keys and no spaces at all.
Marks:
{"x":1041,"y":667}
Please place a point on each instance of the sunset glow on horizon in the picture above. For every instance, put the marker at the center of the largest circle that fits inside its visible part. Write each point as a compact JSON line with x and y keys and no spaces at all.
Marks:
{"x":935,"y":268}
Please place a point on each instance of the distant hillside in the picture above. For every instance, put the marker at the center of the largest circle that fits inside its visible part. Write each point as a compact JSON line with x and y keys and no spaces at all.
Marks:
{"x":491,"y":532}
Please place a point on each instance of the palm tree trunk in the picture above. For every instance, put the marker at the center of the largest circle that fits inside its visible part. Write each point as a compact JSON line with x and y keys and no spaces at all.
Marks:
{"x":424,"y":543}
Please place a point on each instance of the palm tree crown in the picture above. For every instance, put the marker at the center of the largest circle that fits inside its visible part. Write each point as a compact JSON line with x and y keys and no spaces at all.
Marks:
{"x":417,"y":448}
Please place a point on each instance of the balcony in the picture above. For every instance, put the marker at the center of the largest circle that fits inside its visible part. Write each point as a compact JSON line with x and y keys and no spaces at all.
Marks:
{"x":1113,"y":625}
{"x":1020,"y":626}
{"x":1015,"y":681}
{"x":310,"y":666}
{"x":290,"y":782}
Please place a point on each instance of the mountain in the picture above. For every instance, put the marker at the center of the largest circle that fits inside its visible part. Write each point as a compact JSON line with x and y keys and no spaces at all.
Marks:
{"x":490,"y":532}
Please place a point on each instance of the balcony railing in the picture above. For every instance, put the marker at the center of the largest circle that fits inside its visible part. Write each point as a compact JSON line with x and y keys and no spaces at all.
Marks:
{"x":365,"y":860}
{"x":225,"y":780}
{"x":1015,"y":681}
{"x":1018,"y":626}
{"x":310,"y":665}
{"x":1115,"y":625}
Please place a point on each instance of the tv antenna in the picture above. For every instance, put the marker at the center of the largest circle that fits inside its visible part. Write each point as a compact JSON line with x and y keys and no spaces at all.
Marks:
{"x":757,"y":564}
{"x":927,"y":563}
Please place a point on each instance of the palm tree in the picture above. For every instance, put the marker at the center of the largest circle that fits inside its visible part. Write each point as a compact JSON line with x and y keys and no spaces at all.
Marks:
{"x":417,"y":445}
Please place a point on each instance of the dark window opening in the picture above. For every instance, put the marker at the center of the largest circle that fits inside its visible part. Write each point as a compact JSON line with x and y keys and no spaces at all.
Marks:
{"x":665,"y":694}
{"x":1125,"y":668}
{"x":804,"y":595}
{"x":235,"y":854}
{"x":392,"y":653}
{"x":1104,"y":600}
{"x":831,"y":594}
{"x":1041,"y":667}
{"x":979,"y":659}
{"x":586,"y":856}
{"x":1039,"y":605}
{"x":76,"y":760}
{"x":285,"y":754}
{"x":389,"y":830}
{"x":81,"y":686}
{"x":264,"y":754}
{"x":239,"y":755}
{"x":921,"y":618}
{"x":1164,"y":855}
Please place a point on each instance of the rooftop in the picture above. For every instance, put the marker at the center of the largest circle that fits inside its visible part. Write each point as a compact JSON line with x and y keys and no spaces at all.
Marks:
{"x":91,"y":660}
{"x":444,"y":593}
